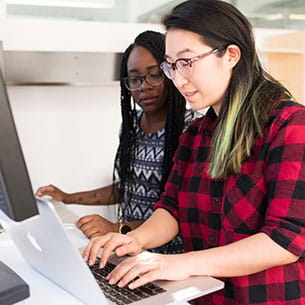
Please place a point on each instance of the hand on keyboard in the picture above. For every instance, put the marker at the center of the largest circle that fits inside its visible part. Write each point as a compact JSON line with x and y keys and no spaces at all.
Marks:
{"x":122,"y":296}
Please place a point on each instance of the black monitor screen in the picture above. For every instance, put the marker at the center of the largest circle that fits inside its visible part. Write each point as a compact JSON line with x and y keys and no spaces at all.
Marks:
{"x":3,"y":205}
{"x":16,"y":195}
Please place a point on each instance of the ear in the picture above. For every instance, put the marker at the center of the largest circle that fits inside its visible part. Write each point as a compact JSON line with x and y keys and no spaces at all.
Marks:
{"x":232,"y":55}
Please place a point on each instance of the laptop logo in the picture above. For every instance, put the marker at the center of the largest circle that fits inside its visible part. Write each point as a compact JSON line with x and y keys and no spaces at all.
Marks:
{"x":33,"y":241}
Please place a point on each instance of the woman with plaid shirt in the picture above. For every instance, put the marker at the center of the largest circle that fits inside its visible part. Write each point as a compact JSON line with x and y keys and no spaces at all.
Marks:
{"x":236,"y":192}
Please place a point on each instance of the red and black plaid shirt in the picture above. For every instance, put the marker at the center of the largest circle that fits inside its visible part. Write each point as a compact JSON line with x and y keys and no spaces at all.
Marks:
{"x":267,"y":196}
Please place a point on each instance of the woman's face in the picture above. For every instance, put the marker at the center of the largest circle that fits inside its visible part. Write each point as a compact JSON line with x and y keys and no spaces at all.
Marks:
{"x":210,"y":75}
{"x":151,"y":98}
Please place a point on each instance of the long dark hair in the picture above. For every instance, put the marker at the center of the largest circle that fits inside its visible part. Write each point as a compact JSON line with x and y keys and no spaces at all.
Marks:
{"x":252,"y":92}
{"x":154,"y":42}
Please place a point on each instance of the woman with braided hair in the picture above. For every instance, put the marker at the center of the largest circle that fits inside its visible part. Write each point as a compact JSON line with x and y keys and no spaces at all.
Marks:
{"x":148,"y":140}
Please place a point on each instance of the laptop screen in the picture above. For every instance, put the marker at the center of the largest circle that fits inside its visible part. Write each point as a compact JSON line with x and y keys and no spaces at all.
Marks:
{"x":16,"y":195}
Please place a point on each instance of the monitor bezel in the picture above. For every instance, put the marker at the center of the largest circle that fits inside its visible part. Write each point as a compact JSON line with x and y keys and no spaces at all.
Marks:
{"x":14,"y":178}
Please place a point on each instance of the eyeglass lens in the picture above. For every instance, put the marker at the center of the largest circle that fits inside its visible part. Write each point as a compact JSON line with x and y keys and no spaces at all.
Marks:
{"x":153,"y":78}
{"x":183,"y":65}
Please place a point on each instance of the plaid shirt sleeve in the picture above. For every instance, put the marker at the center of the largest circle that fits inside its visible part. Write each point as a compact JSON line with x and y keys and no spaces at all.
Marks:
{"x":285,"y":180}
{"x":169,"y":197}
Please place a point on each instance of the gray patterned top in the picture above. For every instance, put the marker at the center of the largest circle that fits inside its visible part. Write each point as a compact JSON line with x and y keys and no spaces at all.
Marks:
{"x":146,"y":190}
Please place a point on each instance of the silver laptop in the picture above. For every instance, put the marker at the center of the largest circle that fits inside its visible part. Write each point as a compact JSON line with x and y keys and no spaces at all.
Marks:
{"x":45,"y":245}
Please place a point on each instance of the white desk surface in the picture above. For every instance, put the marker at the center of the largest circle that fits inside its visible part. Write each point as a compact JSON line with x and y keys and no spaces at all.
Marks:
{"x":43,"y":291}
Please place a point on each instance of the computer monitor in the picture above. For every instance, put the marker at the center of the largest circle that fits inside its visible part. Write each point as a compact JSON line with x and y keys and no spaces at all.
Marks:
{"x":17,"y":200}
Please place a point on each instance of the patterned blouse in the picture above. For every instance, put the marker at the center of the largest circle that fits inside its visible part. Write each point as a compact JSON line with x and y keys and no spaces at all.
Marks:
{"x":146,"y":190}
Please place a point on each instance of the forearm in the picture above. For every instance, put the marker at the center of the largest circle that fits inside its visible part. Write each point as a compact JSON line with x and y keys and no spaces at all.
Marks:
{"x":102,"y":196}
{"x":157,"y":230}
{"x":132,"y":224}
{"x":250,"y":255}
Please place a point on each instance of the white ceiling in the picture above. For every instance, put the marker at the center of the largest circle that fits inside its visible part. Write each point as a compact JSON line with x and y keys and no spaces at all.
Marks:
{"x":262,"y":13}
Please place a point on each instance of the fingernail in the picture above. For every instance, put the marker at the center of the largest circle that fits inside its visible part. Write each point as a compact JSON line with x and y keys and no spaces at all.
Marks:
{"x":111,"y":281}
{"x":120,"y":284}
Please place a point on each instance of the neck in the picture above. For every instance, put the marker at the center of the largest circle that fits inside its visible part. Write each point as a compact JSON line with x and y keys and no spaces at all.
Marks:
{"x":152,"y":122}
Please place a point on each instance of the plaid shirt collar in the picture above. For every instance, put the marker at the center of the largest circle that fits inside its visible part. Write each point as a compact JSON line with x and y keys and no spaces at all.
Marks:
{"x":207,"y":124}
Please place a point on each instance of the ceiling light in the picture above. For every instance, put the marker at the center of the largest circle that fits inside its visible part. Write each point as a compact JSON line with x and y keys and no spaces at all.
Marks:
{"x":274,"y":16}
{"x":65,"y":3}
{"x":265,"y":16}
{"x":297,"y":17}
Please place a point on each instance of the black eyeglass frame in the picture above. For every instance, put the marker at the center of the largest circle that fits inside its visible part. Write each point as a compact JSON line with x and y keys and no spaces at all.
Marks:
{"x":166,"y":67}
{"x":144,"y":78}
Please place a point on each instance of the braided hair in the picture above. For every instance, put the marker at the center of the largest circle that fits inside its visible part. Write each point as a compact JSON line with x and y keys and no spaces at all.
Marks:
{"x":154,"y":42}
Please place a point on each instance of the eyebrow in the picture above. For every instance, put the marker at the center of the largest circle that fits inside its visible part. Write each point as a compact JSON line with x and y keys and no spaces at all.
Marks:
{"x":148,"y":68}
{"x":181,"y":52}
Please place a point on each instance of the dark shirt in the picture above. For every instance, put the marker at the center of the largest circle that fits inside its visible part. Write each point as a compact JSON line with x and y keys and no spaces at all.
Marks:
{"x":267,"y":196}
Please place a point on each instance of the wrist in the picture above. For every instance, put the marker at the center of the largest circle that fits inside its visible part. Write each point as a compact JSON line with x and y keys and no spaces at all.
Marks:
{"x":198,"y":263}
{"x":123,"y":228}
{"x":135,"y":236}
{"x":68,"y":198}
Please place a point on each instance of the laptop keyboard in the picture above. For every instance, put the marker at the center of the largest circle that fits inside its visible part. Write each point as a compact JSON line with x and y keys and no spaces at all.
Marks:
{"x":122,"y":296}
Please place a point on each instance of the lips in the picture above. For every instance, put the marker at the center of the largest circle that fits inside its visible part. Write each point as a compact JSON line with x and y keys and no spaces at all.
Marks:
{"x":188,"y":95}
{"x":148,"y":99}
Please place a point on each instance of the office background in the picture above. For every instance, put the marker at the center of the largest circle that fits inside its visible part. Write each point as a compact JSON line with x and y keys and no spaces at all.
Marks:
{"x":60,"y":62}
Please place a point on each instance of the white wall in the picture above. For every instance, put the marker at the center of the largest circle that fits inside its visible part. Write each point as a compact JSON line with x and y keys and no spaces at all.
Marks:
{"x":52,"y":35}
{"x":69,"y":134}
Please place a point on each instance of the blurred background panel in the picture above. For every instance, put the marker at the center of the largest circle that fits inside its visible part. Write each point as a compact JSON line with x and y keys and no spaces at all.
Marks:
{"x":262,"y":13}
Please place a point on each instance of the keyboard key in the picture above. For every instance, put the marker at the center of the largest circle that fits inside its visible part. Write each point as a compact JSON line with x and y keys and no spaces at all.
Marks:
{"x":121,"y":296}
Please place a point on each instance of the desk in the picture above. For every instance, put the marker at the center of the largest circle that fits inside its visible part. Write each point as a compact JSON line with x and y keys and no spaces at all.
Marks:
{"x":42,"y":290}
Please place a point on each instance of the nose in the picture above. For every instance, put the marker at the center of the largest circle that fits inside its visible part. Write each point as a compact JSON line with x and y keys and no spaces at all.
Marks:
{"x":145,"y":84}
{"x":180,"y":80}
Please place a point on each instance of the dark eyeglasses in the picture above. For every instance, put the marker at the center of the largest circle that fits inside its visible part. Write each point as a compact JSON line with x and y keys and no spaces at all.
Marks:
{"x":153,"y":78}
{"x":183,"y":65}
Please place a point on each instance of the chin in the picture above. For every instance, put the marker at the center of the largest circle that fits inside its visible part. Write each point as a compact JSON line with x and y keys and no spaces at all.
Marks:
{"x":196,"y":106}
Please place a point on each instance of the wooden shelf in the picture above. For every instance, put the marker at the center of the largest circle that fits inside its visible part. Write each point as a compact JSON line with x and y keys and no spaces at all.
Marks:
{"x":280,"y":50}
{"x":284,"y":58}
